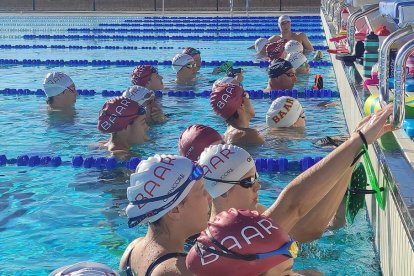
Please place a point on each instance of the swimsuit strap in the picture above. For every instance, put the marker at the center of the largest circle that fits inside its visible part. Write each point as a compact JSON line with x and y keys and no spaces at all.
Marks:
{"x":128,"y":269}
{"x":163,"y":258}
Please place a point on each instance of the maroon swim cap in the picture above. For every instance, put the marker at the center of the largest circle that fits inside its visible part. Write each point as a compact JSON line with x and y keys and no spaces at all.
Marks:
{"x":275,"y":50}
{"x":117,"y":113}
{"x":195,"y":139}
{"x":242,"y":232}
{"x":191,"y":51}
{"x":142,"y":74}
{"x":226,"y":99}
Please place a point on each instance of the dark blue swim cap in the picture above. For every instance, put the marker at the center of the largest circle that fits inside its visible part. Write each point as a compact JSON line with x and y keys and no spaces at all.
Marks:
{"x":278,"y":67}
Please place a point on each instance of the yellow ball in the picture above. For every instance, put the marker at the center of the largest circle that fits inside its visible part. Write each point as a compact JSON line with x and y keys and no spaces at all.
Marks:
{"x":372,"y":104}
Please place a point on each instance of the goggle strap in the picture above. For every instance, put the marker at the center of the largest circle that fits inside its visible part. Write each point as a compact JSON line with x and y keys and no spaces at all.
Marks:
{"x":148,"y":200}
{"x":227,"y":252}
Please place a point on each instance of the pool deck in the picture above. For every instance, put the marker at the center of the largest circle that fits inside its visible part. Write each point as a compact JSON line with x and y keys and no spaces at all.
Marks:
{"x":393,"y":226}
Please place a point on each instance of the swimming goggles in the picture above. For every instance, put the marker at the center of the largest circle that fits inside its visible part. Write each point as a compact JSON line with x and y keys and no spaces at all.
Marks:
{"x":290,"y":75}
{"x":231,"y":72}
{"x":302,"y":114}
{"x":246,"y":183}
{"x":190,"y":65}
{"x":289,"y":249}
{"x":304,"y":65}
{"x":196,"y":174}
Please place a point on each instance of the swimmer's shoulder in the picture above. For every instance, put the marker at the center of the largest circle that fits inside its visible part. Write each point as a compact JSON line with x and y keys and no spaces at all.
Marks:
{"x":175,"y":267}
{"x":127,"y":252}
{"x":244,"y":136}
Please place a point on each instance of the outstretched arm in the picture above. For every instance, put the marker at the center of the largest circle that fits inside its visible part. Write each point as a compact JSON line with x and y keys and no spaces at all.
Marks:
{"x":310,"y":187}
{"x":313,"y":224}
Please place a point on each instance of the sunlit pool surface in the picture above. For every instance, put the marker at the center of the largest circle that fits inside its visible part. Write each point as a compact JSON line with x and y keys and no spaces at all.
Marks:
{"x":50,"y":217}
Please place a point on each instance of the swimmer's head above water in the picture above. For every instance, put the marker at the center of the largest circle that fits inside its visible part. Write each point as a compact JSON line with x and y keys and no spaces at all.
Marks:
{"x":196,"y":54}
{"x":125,"y":119}
{"x":60,"y":90}
{"x":185,"y":67}
{"x":242,"y":242}
{"x":285,"y":112}
{"x":281,"y":74}
{"x":260,"y":45}
{"x":148,"y":77}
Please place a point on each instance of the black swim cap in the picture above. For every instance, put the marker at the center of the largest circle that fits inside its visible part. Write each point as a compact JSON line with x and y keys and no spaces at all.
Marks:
{"x":278,"y":67}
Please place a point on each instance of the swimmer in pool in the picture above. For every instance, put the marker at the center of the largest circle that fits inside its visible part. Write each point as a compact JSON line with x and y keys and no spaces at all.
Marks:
{"x":60,"y":91}
{"x":260,"y":46}
{"x":146,"y":98}
{"x":167,"y":192}
{"x":287,"y":34}
{"x":275,"y":50}
{"x":281,"y":74}
{"x":125,"y":120}
{"x":195,"y":54}
{"x":299,"y":63}
{"x":233,"y":104}
{"x":185,"y":67}
{"x":195,"y":139}
{"x":286,"y":113}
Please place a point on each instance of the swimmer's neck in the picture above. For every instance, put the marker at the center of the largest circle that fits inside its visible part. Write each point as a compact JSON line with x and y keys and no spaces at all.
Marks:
{"x":64,"y":109}
{"x":172,"y":240}
{"x":117,"y":144}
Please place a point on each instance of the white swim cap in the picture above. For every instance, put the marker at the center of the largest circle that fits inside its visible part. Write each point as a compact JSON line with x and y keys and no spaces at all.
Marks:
{"x":181,"y":60}
{"x":223,"y":80}
{"x":283,"y":112}
{"x":293,"y":46}
{"x":225,"y":162}
{"x":162,"y":179}
{"x":260,"y":43}
{"x":84,"y":269}
{"x":297,"y":59}
{"x":139,"y":94}
{"x":55,"y":83}
{"x":283,"y":18}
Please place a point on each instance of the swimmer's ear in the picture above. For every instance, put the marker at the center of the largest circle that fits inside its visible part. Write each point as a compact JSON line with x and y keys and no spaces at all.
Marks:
{"x":175,"y":213}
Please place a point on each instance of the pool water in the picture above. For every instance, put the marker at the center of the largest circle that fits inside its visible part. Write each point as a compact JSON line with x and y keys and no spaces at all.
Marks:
{"x":50,"y":217}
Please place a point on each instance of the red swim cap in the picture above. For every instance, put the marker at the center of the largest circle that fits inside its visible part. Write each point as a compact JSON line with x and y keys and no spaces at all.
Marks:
{"x":226,"y":99}
{"x":191,"y":51}
{"x":117,"y":113}
{"x":142,"y":74}
{"x":243,"y":232}
{"x":195,"y":139}
{"x":275,"y":50}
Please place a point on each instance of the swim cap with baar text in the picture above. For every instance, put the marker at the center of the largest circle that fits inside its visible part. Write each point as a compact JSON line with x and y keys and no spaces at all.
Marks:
{"x":156,"y":178}
{"x":225,"y":162}
{"x":242,"y":232}
{"x":226,"y":99}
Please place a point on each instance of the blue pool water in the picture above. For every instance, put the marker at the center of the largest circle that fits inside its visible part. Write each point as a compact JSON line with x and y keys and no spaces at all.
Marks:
{"x":50,"y":217}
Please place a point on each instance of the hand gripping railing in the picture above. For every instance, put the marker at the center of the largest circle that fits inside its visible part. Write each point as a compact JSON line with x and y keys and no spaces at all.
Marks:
{"x":384,"y":57}
{"x":350,"y":26}
{"x":398,"y":113}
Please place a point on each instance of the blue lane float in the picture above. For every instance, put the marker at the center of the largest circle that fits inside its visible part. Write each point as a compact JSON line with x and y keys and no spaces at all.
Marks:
{"x":84,"y":62}
{"x":280,"y":164}
{"x":152,"y":29}
{"x":253,"y":94}
{"x":97,"y":47}
{"x":152,"y":37}
{"x":216,"y":24}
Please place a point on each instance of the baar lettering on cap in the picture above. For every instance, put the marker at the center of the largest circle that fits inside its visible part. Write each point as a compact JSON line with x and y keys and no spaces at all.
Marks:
{"x":55,"y":83}
{"x":283,"y":112}
{"x":226,"y":99}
